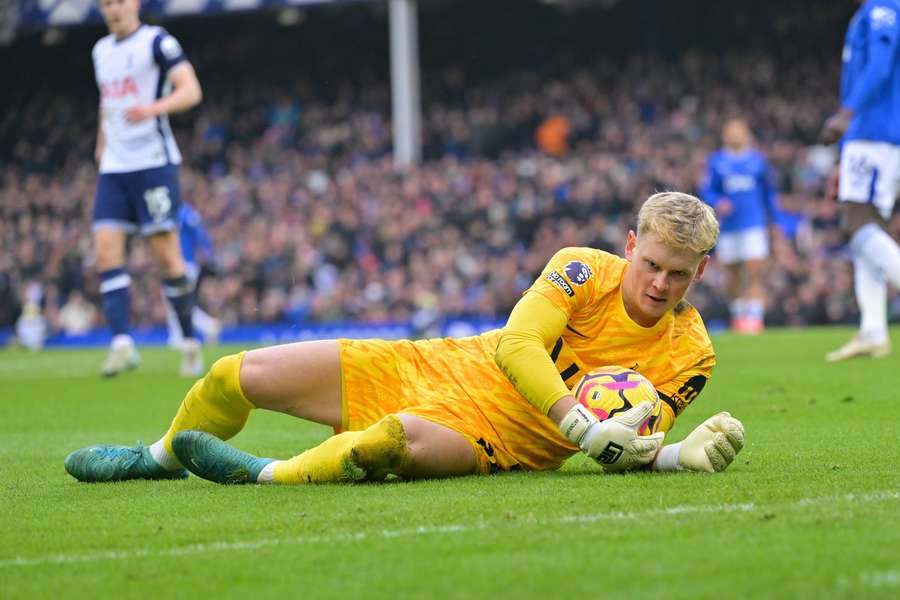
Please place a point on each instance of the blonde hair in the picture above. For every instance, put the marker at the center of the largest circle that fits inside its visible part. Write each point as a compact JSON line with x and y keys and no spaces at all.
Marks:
{"x":680,"y":221}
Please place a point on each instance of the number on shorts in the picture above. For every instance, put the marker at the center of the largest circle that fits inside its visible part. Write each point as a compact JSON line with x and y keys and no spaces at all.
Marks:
{"x":158,"y":202}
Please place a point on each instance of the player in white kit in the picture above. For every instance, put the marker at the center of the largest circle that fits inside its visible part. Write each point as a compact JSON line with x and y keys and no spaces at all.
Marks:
{"x":143,"y":76}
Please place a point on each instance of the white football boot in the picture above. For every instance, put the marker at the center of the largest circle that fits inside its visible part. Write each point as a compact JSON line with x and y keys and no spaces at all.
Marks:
{"x":858,"y":347}
{"x":191,"y":358}
{"x":123,"y":356}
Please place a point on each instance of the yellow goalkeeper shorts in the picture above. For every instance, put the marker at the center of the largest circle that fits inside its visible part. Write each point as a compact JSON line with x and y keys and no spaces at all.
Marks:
{"x":454,"y":383}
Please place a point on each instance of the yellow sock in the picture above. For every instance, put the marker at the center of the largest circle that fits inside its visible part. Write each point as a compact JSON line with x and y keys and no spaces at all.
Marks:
{"x":215,"y":404}
{"x":370,"y":455}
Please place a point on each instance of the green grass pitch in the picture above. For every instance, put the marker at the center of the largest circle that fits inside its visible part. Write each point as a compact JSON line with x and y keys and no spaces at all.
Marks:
{"x":810,"y":509}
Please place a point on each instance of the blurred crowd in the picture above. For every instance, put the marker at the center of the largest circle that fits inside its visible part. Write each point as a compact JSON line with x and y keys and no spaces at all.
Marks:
{"x":312,"y":222}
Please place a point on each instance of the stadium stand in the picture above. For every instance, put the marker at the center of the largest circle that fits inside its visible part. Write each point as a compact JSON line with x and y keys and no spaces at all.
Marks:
{"x":528,"y":148}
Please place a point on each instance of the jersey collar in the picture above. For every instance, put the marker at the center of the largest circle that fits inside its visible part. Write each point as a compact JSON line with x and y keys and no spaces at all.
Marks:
{"x":129,"y":36}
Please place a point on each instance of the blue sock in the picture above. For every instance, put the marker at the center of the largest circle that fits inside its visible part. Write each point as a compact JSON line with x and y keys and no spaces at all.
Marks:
{"x":180,"y":292}
{"x":116,"y":301}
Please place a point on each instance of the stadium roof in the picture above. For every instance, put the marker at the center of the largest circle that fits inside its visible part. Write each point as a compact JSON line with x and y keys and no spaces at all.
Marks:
{"x":38,"y":14}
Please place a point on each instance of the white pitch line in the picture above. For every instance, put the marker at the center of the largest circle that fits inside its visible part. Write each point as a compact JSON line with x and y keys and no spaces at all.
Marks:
{"x":225,"y":546}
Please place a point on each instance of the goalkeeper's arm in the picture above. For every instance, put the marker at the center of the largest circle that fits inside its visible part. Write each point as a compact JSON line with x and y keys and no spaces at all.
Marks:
{"x":533,"y":325}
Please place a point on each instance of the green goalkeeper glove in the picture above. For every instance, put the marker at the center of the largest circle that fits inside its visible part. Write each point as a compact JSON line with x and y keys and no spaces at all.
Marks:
{"x":614,"y":443}
{"x":710,"y":448}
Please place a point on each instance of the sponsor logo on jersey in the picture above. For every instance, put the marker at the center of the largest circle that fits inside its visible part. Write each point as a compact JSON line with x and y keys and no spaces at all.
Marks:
{"x":119,"y":88}
{"x":578,"y":272}
{"x":735,"y":184}
{"x":558,"y":280}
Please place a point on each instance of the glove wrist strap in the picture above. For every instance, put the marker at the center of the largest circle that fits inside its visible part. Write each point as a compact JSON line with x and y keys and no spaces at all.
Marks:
{"x":576,"y":423}
{"x":667,"y":459}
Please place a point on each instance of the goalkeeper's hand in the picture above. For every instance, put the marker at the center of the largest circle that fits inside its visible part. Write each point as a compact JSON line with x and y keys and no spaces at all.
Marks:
{"x":710,"y":448}
{"x":614,"y":443}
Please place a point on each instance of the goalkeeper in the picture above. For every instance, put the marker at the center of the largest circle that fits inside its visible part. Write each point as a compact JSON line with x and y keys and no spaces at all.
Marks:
{"x":495,"y":402}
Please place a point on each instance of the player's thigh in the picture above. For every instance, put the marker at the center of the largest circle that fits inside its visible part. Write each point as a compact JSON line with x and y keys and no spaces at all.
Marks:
{"x":436,"y":450}
{"x":735,"y":272}
{"x":854,"y":216}
{"x":869,"y":173}
{"x":755,"y":268}
{"x":301,"y":379}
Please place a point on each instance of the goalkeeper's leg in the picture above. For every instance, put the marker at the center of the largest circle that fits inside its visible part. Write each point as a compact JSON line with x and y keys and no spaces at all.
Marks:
{"x":402,"y":445}
{"x":301,"y":379}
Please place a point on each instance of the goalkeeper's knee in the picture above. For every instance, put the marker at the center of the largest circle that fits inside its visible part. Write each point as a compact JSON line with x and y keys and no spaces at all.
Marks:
{"x":215,"y":404}
{"x":382,"y":449}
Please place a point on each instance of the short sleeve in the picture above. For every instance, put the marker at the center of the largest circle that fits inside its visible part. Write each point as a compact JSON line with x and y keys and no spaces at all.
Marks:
{"x":569,"y":279}
{"x":167,"y":51}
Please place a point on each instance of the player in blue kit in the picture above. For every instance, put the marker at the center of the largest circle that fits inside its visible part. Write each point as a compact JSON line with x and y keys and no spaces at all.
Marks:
{"x":142,"y":75}
{"x":740,"y":187}
{"x":197,"y":250}
{"x":868,"y":124}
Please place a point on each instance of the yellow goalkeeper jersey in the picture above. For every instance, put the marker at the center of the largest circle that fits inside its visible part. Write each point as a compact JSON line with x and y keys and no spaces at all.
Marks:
{"x":457,"y":383}
{"x":676,"y":354}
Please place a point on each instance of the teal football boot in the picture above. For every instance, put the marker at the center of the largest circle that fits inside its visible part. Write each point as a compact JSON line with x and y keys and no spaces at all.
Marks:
{"x":117,"y":463}
{"x":208,"y":457}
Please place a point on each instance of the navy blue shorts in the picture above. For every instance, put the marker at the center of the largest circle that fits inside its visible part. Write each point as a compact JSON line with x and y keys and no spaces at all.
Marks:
{"x":146,"y":201}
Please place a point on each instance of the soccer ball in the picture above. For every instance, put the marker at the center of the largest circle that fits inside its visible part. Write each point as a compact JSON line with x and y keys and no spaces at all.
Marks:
{"x":607,"y":391}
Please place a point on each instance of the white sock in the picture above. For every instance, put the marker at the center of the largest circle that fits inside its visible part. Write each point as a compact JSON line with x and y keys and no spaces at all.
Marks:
{"x":874,"y":244}
{"x":871,"y":296}
{"x":202,"y":320}
{"x":167,"y":461}
{"x":268,"y":473}
{"x":172,"y":325}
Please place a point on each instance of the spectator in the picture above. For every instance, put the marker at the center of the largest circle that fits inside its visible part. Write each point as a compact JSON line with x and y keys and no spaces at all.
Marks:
{"x":77,"y":316}
{"x":310,"y":220}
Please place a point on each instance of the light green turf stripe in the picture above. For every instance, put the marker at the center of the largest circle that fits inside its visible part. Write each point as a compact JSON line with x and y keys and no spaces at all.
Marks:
{"x":231,"y":546}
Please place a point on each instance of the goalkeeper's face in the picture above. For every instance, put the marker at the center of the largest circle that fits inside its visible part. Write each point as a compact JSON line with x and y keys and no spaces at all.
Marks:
{"x":658,"y":277}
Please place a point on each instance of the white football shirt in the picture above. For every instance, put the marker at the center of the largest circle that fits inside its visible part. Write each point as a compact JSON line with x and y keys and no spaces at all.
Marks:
{"x":131,"y":72}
